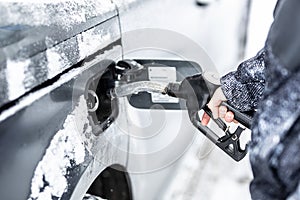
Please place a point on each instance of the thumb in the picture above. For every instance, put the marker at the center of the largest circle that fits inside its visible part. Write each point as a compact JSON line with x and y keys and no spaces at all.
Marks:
{"x":213,"y":106}
{"x":215,"y":102}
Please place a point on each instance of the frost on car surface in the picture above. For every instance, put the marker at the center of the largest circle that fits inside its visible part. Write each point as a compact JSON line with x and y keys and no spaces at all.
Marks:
{"x":39,"y":40}
{"x":46,"y":13}
{"x":32,"y":129}
{"x":66,"y":150}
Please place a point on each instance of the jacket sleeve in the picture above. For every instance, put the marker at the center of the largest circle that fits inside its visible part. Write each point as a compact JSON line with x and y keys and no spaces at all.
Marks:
{"x":244,"y":87}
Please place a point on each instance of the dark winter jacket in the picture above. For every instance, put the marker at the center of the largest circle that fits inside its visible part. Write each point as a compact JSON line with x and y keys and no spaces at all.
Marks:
{"x":270,"y":83}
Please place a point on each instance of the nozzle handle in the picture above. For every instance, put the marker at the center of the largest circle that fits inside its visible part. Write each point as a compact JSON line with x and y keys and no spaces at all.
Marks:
{"x":243,"y":118}
{"x":229,"y":143}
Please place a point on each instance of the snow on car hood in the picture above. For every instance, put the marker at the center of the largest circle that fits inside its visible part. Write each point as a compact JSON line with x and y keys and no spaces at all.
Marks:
{"x":58,"y":12}
{"x":39,"y":40}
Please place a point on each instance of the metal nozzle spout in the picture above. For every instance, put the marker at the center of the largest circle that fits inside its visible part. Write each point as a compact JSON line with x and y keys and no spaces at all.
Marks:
{"x":136,"y":87}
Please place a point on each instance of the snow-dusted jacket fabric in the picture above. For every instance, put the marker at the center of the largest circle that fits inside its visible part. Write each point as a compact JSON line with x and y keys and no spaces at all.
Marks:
{"x":270,"y":83}
{"x":244,"y":87}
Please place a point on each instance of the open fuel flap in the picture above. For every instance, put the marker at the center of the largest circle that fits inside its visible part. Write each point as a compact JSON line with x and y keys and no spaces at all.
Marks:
{"x":103,"y":109}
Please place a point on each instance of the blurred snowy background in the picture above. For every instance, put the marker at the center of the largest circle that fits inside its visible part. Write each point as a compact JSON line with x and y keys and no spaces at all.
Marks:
{"x":208,"y":173}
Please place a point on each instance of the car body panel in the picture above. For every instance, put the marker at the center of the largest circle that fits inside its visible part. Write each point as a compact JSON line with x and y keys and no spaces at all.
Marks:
{"x":40,"y":73}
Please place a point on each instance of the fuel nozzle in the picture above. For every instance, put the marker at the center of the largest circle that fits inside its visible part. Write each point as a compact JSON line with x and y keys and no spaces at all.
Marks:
{"x":173,"y":90}
{"x":196,"y":90}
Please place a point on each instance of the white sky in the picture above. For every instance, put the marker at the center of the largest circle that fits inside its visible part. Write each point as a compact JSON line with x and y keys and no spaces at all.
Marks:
{"x":261,"y":17}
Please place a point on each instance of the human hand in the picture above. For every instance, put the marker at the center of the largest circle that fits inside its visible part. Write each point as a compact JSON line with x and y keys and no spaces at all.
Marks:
{"x":217,"y":110}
